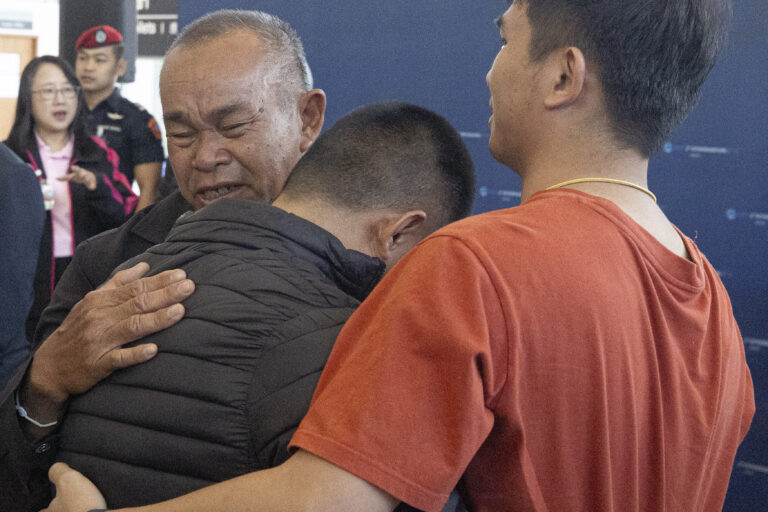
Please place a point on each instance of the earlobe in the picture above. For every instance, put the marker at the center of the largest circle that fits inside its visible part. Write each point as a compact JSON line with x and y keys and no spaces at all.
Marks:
{"x":568,"y":65}
{"x":312,"y":111}
{"x":399,"y":234}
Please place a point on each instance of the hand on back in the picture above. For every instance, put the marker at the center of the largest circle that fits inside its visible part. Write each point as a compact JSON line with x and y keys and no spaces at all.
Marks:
{"x":88,"y":346}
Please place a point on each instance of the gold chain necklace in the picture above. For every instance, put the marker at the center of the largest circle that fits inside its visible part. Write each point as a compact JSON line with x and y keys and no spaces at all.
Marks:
{"x":605,"y":180}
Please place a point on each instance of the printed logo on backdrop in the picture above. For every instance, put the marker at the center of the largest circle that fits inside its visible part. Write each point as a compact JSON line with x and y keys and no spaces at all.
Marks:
{"x":755,"y":345}
{"x":756,"y":218}
{"x":724,"y":274}
{"x":501,"y":194}
{"x":157,"y":25}
{"x":750,"y":468}
{"x":698,"y":151}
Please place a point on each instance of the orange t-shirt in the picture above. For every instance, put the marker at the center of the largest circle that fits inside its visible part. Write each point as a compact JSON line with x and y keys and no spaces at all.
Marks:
{"x":549,"y":357}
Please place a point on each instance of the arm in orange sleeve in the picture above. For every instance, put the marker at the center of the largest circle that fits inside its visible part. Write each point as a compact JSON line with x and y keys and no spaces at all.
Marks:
{"x":406,"y":398}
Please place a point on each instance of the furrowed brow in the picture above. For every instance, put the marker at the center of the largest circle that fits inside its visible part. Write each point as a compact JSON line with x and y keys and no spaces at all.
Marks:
{"x":219,"y":114}
{"x":214,"y":116}
{"x":176,"y":116}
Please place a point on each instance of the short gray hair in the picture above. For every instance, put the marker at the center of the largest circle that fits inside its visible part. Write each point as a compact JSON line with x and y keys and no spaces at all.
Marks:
{"x":281,"y":39}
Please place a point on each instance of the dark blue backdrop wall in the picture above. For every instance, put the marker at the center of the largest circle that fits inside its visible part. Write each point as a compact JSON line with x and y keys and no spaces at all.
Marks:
{"x":711,"y":178}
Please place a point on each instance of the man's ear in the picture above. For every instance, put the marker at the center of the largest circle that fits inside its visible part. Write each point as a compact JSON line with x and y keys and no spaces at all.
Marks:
{"x":397,"y":234}
{"x":565,"y":70}
{"x":312,"y":112}
{"x":122,"y":67}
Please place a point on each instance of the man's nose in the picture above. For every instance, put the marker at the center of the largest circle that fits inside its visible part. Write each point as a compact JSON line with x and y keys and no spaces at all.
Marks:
{"x":211,"y":152}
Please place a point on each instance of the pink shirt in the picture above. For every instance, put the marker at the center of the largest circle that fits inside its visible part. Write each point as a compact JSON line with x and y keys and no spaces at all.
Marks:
{"x":56,"y":164}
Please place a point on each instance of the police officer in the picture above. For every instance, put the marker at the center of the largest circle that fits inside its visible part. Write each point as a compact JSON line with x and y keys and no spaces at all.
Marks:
{"x":127,"y":127}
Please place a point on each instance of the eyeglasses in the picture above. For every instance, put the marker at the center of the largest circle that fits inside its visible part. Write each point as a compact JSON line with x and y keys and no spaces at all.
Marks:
{"x":68,"y":92}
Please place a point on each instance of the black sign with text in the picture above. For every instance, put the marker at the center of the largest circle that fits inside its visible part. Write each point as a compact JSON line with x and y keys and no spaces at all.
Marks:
{"x":157,"y":25}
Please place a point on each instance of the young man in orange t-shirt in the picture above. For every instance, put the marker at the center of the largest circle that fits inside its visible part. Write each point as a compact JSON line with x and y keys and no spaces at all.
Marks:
{"x":575,"y":353}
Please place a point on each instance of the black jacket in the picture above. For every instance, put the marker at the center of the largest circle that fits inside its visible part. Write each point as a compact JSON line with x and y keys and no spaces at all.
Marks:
{"x":93,"y":211}
{"x":234,"y":378}
{"x":24,"y":465}
{"x":128,"y":129}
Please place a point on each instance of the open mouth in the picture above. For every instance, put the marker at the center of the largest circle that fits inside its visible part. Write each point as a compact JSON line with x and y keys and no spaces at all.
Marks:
{"x":60,"y":115}
{"x":212,"y":194}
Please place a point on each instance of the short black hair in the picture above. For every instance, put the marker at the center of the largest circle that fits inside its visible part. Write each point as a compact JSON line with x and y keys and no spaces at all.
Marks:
{"x":391,"y":155}
{"x":652,"y":56}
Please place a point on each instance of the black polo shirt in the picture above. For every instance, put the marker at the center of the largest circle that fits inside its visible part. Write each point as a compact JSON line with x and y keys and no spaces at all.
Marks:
{"x":128,"y":129}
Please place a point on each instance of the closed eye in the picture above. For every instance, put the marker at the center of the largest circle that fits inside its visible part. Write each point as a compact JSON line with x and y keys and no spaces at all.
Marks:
{"x":235,"y":129}
{"x":182,"y":139}
{"x":234,"y":126}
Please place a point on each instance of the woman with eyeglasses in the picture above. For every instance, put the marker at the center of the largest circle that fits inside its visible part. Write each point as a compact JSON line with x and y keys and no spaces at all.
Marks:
{"x":83,"y":190}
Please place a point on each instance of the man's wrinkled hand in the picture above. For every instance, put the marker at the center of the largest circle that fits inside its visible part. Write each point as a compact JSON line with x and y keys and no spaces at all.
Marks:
{"x":74,"y":492}
{"x":87,"y":346}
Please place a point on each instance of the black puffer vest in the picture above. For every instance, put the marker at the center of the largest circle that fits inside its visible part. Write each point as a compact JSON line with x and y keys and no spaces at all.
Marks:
{"x":233,"y":379}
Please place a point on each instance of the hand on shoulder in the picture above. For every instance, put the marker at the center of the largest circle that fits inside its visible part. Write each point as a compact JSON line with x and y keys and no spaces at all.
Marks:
{"x":88,"y":345}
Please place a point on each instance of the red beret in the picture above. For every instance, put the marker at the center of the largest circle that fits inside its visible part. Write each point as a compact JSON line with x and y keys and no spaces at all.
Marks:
{"x":98,"y":36}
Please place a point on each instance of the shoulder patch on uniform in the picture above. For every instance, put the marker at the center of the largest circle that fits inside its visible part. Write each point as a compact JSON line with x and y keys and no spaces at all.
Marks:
{"x":115,"y":116}
{"x":152,"y":125}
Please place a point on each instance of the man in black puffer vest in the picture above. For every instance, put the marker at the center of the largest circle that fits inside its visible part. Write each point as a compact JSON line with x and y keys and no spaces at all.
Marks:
{"x":273,"y":286}
{"x":236,"y":126}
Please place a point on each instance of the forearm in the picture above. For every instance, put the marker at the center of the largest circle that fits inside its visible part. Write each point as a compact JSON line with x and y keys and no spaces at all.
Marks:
{"x":24,"y":463}
{"x":147,"y":176}
{"x":42,"y":402}
{"x":304,"y":483}
{"x":253,"y":492}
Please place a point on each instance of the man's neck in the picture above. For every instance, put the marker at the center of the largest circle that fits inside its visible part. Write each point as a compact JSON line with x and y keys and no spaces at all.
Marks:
{"x":553,"y":164}
{"x":320,"y":213}
{"x":624,"y":165}
{"x":92,"y":99}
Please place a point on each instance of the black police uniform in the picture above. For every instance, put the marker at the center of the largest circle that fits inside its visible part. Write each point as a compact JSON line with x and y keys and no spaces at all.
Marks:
{"x":128,"y":129}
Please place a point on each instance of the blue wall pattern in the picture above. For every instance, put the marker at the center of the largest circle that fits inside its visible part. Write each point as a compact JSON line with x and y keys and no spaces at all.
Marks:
{"x":711,"y":178}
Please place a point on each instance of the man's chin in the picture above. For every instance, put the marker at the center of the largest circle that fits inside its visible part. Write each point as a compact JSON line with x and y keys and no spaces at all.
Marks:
{"x":88,"y":87}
